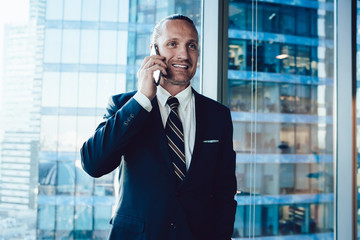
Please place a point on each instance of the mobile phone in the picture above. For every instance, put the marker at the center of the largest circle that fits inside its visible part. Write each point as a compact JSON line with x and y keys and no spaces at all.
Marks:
{"x":157,"y":74}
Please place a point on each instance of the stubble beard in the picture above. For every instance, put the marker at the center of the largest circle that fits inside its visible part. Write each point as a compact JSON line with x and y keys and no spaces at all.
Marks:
{"x":176,"y":82}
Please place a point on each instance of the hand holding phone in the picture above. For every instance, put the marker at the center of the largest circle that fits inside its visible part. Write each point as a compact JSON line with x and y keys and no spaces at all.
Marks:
{"x":157,"y":74}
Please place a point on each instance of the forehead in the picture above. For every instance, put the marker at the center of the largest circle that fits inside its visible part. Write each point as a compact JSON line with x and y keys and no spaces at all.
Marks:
{"x":179,"y":29}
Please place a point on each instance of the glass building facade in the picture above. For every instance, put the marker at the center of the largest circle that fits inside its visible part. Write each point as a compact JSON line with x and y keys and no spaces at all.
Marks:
{"x":75,"y":54}
{"x":280,"y":91}
{"x":92,"y":50}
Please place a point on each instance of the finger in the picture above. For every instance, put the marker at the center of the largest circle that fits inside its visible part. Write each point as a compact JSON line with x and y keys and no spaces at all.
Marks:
{"x":156,"y":67}
{"x":154,"y":60}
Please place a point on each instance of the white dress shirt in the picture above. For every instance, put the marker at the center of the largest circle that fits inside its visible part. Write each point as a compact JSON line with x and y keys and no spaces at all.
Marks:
{"x":186,"y":111}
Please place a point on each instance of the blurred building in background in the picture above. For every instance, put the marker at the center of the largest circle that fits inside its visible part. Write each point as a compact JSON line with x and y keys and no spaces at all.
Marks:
{"x":62,"y":67}
{"x":60,"y":72}
{"x":280,"y":91}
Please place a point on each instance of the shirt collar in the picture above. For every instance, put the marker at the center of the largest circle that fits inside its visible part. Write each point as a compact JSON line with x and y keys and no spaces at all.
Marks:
{"x":184,"y":96}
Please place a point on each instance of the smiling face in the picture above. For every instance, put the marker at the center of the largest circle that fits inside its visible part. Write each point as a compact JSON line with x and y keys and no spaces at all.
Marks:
{"x":178,"y":43}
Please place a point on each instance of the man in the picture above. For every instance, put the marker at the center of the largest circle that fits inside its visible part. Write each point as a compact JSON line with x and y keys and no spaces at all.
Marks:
{"x":176,"y":160}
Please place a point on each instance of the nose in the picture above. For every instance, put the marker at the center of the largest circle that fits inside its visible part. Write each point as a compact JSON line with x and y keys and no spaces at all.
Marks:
{"x":183,"y":52}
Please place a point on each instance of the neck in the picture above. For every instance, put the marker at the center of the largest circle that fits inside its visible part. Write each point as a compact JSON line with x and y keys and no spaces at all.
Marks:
{"x":173,"y":89}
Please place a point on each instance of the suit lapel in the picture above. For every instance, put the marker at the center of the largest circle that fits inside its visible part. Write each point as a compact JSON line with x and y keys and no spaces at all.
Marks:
{"x":200,"y":115}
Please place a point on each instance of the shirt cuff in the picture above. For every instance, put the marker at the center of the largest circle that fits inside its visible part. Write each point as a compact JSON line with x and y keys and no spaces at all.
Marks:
{"x":143,"y":101}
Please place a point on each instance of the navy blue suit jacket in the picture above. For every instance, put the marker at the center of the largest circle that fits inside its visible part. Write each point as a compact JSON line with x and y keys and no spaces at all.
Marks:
{"x":150,"y":205}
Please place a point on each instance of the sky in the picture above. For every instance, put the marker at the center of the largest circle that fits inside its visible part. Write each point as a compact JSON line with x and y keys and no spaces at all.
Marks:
{"x":11,"y":11}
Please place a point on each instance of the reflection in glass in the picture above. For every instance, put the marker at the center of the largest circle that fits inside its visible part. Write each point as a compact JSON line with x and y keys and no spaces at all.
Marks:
{"x":63,"y":222}
{"x":282,"y":118}
{"x":64,"y":65}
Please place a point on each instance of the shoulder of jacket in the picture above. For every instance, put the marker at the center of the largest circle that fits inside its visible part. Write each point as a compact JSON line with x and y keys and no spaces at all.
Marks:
{"x":209,"y":102}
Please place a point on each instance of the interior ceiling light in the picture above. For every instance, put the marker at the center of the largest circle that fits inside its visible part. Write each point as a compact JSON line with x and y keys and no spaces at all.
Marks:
{"x":282,"y":56}
{"x":272,"y":16}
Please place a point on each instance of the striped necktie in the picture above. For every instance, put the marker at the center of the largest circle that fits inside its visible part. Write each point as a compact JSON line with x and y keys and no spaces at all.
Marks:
{"x":175,"y":138}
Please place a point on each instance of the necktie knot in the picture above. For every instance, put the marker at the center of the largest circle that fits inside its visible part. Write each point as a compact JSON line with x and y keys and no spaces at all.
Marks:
{"x":173,"y":103}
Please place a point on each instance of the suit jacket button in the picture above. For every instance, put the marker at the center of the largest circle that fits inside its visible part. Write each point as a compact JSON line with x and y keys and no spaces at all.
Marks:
{"x":172,"y":225}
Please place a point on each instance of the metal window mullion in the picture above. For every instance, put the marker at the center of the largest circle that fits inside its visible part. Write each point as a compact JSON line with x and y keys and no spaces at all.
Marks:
{"x":214,"y":48}
{"x":345,"y":120}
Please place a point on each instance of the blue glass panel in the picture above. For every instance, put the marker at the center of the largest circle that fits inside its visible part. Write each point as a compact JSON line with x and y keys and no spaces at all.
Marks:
{"x":90,"y":10}
{"x":54,"y":9}
{"x":64,"y":217}
{"x":109,"y":10}
{"x":46,"y":217}
{"x":83,"y":218}
{"x":102,"y":214}
{"x":72,"y":9}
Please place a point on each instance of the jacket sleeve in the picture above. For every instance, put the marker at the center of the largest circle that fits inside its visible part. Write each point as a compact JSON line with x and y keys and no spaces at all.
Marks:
{"x":102,"y":152}
{"x":225,"y":184}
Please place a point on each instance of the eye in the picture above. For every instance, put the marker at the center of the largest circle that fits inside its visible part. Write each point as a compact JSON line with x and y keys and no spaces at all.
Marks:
{"x":171,"y":44}
{"x":193,"y":46}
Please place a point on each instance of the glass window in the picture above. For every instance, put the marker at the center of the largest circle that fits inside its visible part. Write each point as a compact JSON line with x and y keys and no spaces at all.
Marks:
{"x":270,"y":179}
{"x":68,"y":89}
{"x":303,"y":99}
{"x":287,"y":98}
{"x":50,"y":89}
{"x":72,"y":10}
{"x":87,"y":90}
{"x":145,"y":11}
{"x":270,"y":138}
{"x":46,"y":218}
{"x":107,"y":47}
{"x":83,"y":218}
{"x":293,"y":152}
{"x":313,"y":19}
{"x":70,"y":46}
{"x":85,"y":51}
{"x":67,"y":134}
{"x":122,"y":55}
{"x":287,"y":20}
{"x":102,"y":214}
{"x":240,"y":96}
{"x":54,"y":9}
{"x":65,"y":178}
{"x":303,"y":60}
{"x":302,"y":139}
{"x":49,"y":133}
{"x":271,"y":98}
{"x":47,"y":177}
{"x":52,"y":45}
{"x":271,"y":18}
{"x":237,"y":16}
{"x":90,"y":10}
{"x":287,"y":57}
{"x":121,"y":81}
{"x":104,"y":185}
{"x":63,"y":221}
{"x":271,"y":62}
{"x":287,"y":138}
{"x":125,"y":8}
{"x":84,"y":183}
{"x":85,"y":127}
{"x":89,"y":46}
{"x":314,"y":62}
{"x":286,"y":177}
{"x":237,"y":53}
{"x":302,"y":22}
{"x":109,"y":10}
{"x":106,"y":88}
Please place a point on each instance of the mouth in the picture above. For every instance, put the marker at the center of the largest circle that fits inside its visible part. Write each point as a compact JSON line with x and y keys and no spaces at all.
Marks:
{"x":180,"y":66}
